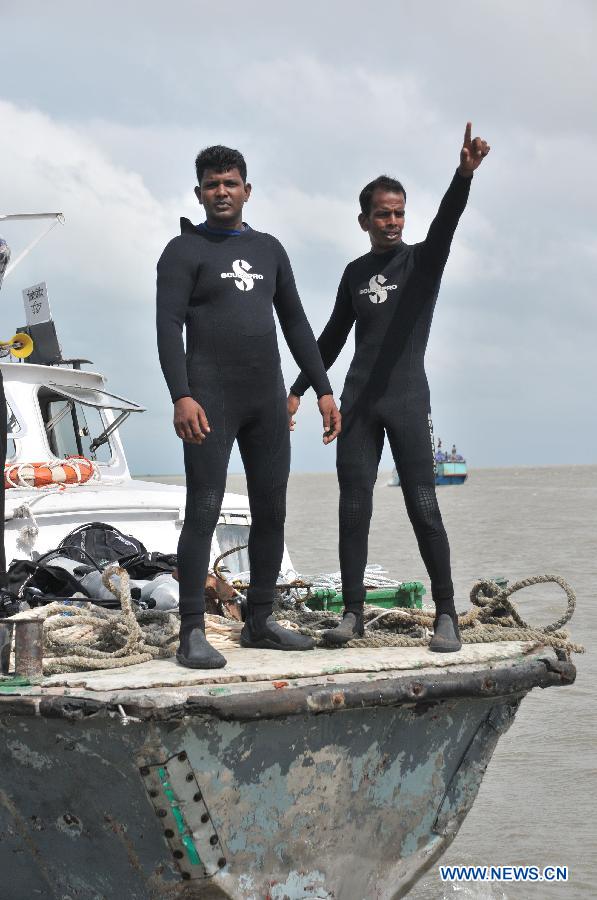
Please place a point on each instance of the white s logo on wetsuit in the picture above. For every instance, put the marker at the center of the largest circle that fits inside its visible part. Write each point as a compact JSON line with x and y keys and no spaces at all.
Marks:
{"x":378,"y":289}
{"x":240,"y":268}
{"x":377,"y":294}
{"x":240,"y":272}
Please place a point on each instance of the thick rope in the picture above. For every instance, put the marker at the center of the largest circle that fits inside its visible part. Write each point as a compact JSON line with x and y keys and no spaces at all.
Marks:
{"x":107,"y":640}
{"x":84,"y":636}
{"x":493,"y":618}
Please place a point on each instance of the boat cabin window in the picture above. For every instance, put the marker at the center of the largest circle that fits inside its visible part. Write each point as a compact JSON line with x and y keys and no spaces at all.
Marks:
{"x":72,"y":426}
{"x":228,"y":537}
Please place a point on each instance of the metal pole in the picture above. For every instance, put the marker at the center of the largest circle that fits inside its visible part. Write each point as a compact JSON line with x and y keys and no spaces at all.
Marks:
{"x":5,"y":646}
{"x":29,"y":648}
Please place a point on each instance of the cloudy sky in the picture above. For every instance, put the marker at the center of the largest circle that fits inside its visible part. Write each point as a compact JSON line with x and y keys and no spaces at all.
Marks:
{"x":103,"y":108}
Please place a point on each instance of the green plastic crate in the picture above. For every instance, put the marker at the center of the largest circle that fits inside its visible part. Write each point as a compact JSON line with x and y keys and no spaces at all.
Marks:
{"x":408,"y":595}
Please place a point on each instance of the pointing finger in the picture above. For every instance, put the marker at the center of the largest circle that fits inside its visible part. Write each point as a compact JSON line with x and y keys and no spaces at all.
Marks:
{"x":467,"y":133}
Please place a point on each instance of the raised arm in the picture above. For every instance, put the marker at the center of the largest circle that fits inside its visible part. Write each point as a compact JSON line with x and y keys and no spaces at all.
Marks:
{"x":433,"y":252}
{"x":333,"y":337}
{"x":295,"y":326}
{"x":175,"y":281}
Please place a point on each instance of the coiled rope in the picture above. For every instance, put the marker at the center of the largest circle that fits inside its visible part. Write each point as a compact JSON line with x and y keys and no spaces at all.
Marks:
{"x":78,"y":638}
{"x":83,"y":637}
{"x":493,"y":617}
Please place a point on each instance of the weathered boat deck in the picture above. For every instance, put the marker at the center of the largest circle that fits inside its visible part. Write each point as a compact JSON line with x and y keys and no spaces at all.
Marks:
{"x":252,"y":666}
{"x":258,"y":683}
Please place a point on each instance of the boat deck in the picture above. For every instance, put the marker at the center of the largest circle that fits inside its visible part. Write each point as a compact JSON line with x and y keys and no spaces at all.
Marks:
{"x":268,"y":666}
{"x":269,"y":682}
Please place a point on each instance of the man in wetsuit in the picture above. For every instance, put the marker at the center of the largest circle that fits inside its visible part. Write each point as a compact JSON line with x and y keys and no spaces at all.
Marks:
{"x":223,"y":280}
{"x":390,"y":293}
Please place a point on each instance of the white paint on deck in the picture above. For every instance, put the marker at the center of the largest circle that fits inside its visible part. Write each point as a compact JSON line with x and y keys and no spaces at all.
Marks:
{"x":274,"y":665}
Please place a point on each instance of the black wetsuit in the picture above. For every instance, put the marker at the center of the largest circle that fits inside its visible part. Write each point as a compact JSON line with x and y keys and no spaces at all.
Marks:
{"x":224,"y":288}
{"x":391,"y":297}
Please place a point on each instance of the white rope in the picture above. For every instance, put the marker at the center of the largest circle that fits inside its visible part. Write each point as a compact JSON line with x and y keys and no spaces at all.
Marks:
{"x":375,"y":576}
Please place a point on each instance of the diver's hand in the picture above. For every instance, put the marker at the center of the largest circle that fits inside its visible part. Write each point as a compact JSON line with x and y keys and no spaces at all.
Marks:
{"x":292,"y":405}
{"x":190,"y":421}
{"x":473,"y":152}
{"x":332,"y":420}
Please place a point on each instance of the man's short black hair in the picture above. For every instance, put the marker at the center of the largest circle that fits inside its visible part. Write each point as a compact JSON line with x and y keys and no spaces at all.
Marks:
{"x":220,"y":159}
{"x":385,"y":183}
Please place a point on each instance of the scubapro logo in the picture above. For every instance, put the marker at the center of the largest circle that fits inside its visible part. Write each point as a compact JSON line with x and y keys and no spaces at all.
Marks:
{"x":243,"y":278}
{"x":378,"y":289}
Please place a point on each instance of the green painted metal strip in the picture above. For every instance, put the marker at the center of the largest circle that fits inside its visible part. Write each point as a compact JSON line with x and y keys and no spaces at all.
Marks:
{"x":185,"y":837}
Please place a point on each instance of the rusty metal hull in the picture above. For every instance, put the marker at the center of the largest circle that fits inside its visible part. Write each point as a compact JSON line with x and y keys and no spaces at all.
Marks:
{"x":312,"y":792}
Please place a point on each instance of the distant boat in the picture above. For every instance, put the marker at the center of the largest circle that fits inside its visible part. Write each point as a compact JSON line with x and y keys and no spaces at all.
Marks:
{"x":450,"y":468}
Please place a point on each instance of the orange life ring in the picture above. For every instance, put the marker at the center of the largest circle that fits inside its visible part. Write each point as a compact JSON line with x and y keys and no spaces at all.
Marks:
{"x":72,"y":470}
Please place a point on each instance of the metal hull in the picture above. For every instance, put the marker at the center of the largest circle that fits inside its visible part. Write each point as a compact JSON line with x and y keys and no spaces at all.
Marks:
{"x":322,"y":791}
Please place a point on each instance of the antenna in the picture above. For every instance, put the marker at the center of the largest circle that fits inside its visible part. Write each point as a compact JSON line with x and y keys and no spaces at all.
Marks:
{"x":24,"y":217}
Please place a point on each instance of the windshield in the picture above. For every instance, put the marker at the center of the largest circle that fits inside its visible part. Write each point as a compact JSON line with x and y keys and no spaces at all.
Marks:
{"x":71,"y":427}
{"x":74,"y":421}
